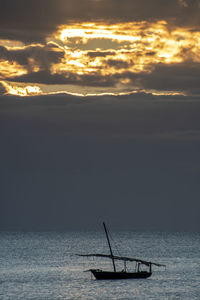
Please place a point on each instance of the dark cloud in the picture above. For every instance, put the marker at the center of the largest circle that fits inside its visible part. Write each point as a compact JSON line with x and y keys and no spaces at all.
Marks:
{"x":33,"y":56}
{"x":182,"y":77}
{"x":45,"y":77}
{"x":34,"y":20}
{"x":136,"y":115}
{"x":176,"y":77}
{"x":132,"y":153}
{"x":2,"y":89}
{"x":117,"y":63}
{"x":94,"y":54}
{"x":151,"y":53}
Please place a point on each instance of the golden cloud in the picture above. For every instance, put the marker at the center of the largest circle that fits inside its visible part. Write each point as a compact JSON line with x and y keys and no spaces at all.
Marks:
{"x":139,"y":45}
{"x":84,"y":53}
{"x":11,"y":69}
{"x":21,"y":90}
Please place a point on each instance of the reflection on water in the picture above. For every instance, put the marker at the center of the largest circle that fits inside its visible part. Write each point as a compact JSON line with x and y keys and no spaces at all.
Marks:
{"x":44,"y":266}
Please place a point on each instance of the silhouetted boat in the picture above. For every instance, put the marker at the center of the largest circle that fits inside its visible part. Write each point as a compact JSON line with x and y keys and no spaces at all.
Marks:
{"x":124,"y":274}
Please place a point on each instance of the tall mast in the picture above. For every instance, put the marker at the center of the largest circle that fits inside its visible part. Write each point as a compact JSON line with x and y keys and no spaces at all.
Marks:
{"x":113,"y":261}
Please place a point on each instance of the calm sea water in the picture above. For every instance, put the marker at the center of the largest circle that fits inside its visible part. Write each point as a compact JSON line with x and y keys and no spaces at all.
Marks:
{"x":43,"y":266}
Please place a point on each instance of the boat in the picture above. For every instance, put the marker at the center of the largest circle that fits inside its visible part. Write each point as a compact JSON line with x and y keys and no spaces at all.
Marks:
{"x":123,"y":274}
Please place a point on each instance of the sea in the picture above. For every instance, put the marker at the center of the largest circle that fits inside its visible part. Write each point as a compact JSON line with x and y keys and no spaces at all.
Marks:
{"x":45,"y":265}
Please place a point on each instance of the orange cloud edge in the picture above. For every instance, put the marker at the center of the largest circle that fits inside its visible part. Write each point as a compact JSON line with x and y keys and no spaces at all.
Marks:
{"x":98,"y":49}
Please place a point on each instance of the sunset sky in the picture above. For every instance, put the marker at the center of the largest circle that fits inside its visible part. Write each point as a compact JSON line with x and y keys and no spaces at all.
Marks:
{"x":100,"y":46}
{"x":99,"y":108}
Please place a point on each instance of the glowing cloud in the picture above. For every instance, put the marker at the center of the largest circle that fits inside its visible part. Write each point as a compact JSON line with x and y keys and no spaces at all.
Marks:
{"x":140,"y":45}
{"x":10,"y":69}
{"x":100,"y":54}
{"x":21,"y":91}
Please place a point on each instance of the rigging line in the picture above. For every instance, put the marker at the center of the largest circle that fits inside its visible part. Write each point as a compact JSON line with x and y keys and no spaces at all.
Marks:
{"x":114,"y":243}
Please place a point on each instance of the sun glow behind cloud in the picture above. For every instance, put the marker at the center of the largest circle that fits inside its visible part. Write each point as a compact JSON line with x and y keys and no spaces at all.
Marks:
{"x":10,"y":69}
{"x":21,"y":91}
{"x":141,"y":43}
{"x":99,"y":50}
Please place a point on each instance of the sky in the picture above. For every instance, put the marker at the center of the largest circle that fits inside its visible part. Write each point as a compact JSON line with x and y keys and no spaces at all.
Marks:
{"x":99,"y":114}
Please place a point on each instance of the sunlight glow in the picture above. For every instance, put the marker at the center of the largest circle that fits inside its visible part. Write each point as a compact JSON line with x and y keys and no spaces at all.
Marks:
{"x":138,"y":47}
{"x":10,"y":69}
{"x":22,"y":91}
{"x":99,"y":51}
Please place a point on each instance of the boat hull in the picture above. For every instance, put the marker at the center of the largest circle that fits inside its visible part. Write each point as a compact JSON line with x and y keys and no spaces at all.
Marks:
{"x":102,"y":275}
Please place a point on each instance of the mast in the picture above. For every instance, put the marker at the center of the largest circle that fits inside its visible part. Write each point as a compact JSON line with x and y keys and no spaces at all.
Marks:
{"x":113,"y":261}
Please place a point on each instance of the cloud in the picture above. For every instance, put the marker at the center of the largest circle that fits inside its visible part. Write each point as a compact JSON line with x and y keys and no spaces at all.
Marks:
{"x":20,"y":90}
{"x":179,"y":77}
{"x":33,"y":57}
{"x":45,"y":77}
{"x":136,"y":116}
{"x":94,"y":54}
{"x":2,"y":89}
{"x":128,"y":45}
{"x":183,"y":3}
{"x":57,"y":148}
{"x":34,"y":20}
{"x":60,"y":146}
{"x":117,"y":63}
{"x":182,"y":77}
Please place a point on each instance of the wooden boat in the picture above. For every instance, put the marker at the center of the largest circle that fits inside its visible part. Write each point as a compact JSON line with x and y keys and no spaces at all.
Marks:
{"x":124,"y":274}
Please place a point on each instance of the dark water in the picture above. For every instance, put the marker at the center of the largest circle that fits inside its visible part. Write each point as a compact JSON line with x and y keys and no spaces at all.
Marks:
{"x":43,"y":266}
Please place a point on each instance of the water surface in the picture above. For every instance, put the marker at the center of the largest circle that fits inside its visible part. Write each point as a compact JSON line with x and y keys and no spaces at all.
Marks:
{"x":44,"y":265}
